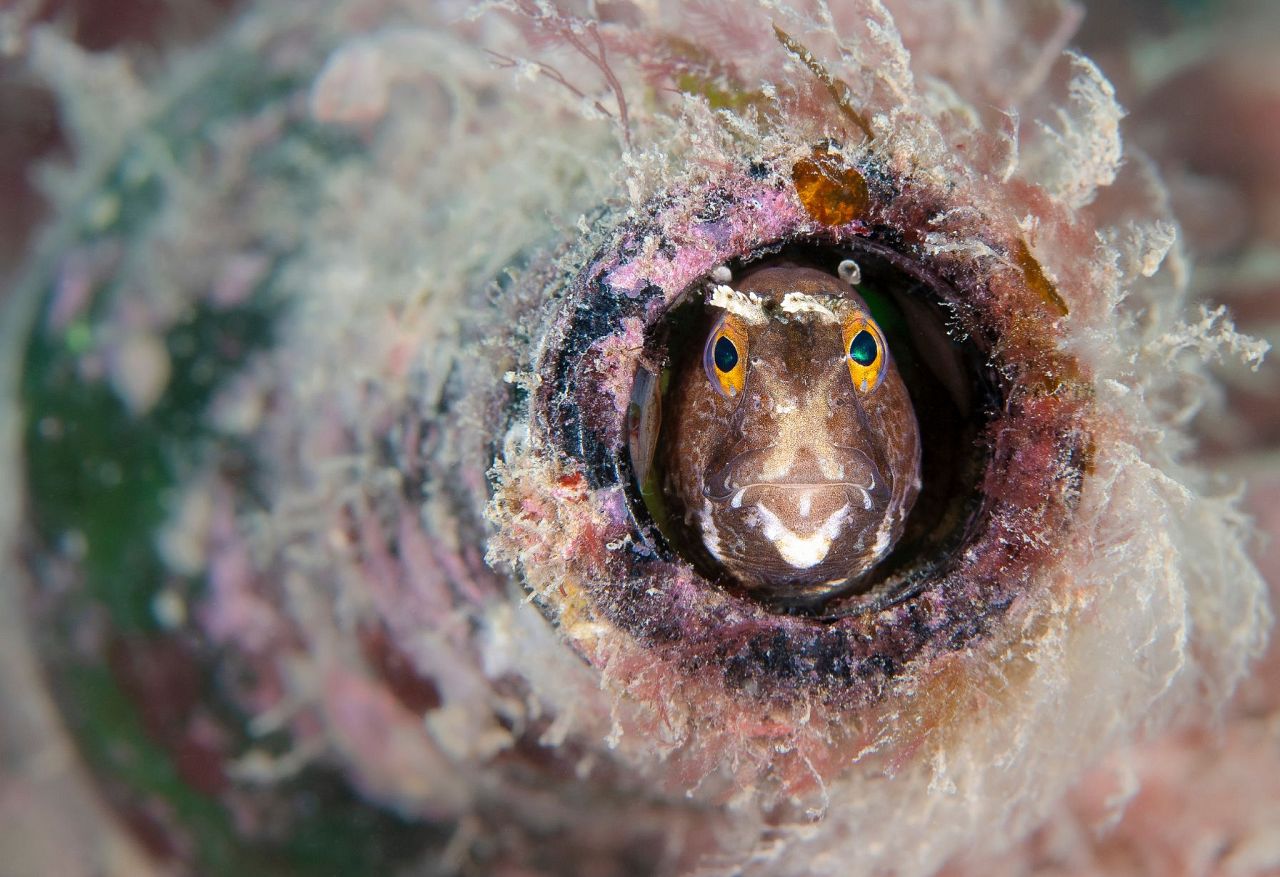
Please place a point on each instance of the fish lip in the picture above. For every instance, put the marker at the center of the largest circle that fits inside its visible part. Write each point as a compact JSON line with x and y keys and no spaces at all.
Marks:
{"x":732,"y":495}
{"x":734,"y":487}
{"x":725,"y":486}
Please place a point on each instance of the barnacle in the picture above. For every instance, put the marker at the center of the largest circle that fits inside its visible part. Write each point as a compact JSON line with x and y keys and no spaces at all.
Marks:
{"x":355,"y":412}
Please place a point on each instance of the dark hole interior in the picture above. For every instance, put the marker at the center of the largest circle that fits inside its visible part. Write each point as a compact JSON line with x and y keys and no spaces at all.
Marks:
{"x":953,"y":391}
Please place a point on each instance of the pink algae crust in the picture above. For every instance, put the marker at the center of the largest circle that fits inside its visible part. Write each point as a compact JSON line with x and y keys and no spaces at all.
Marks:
{"x":761,"y":213}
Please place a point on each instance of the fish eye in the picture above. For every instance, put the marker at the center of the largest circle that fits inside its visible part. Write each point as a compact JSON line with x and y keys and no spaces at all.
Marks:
{"x":725,"y":357}
{"x":865,"y":352}
{"x":863,"y":348}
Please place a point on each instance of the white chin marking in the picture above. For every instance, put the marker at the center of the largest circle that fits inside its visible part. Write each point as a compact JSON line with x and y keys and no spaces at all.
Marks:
{"x":710,"y":535}
{"x":801,"y":552}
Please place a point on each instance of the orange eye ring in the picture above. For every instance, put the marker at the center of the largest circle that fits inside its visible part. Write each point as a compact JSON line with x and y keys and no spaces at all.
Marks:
{"x":725,"y":357}
{"x":865,"y":352}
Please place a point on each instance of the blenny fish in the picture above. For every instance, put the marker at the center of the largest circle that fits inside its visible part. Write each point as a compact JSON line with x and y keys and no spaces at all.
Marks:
{"x":609,"y":438}
{"x":792,"y":443}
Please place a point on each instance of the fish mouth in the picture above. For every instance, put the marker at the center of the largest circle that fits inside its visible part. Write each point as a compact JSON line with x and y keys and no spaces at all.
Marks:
{"x":745,"y":474}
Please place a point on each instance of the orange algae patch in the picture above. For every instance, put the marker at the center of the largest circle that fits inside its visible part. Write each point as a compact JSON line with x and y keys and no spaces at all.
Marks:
{"x":1026,"y":337}
{"x":1036,"y":279}
{"x":830,"y":191}
{"x":1046,"y":369}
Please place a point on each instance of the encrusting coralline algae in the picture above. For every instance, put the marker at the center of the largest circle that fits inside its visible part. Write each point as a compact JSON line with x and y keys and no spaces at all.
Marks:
{"x":329,"y":410}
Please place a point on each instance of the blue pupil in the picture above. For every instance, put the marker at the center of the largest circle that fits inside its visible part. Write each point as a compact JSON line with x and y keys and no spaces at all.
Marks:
{"x":726,"y":355}
{"x":862,"y":349}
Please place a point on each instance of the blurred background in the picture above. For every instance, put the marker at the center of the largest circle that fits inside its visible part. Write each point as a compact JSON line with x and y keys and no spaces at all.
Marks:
{"x":1200,"y":80}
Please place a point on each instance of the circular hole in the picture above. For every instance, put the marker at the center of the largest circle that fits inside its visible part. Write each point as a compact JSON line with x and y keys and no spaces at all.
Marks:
{"x":952,"y":393}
